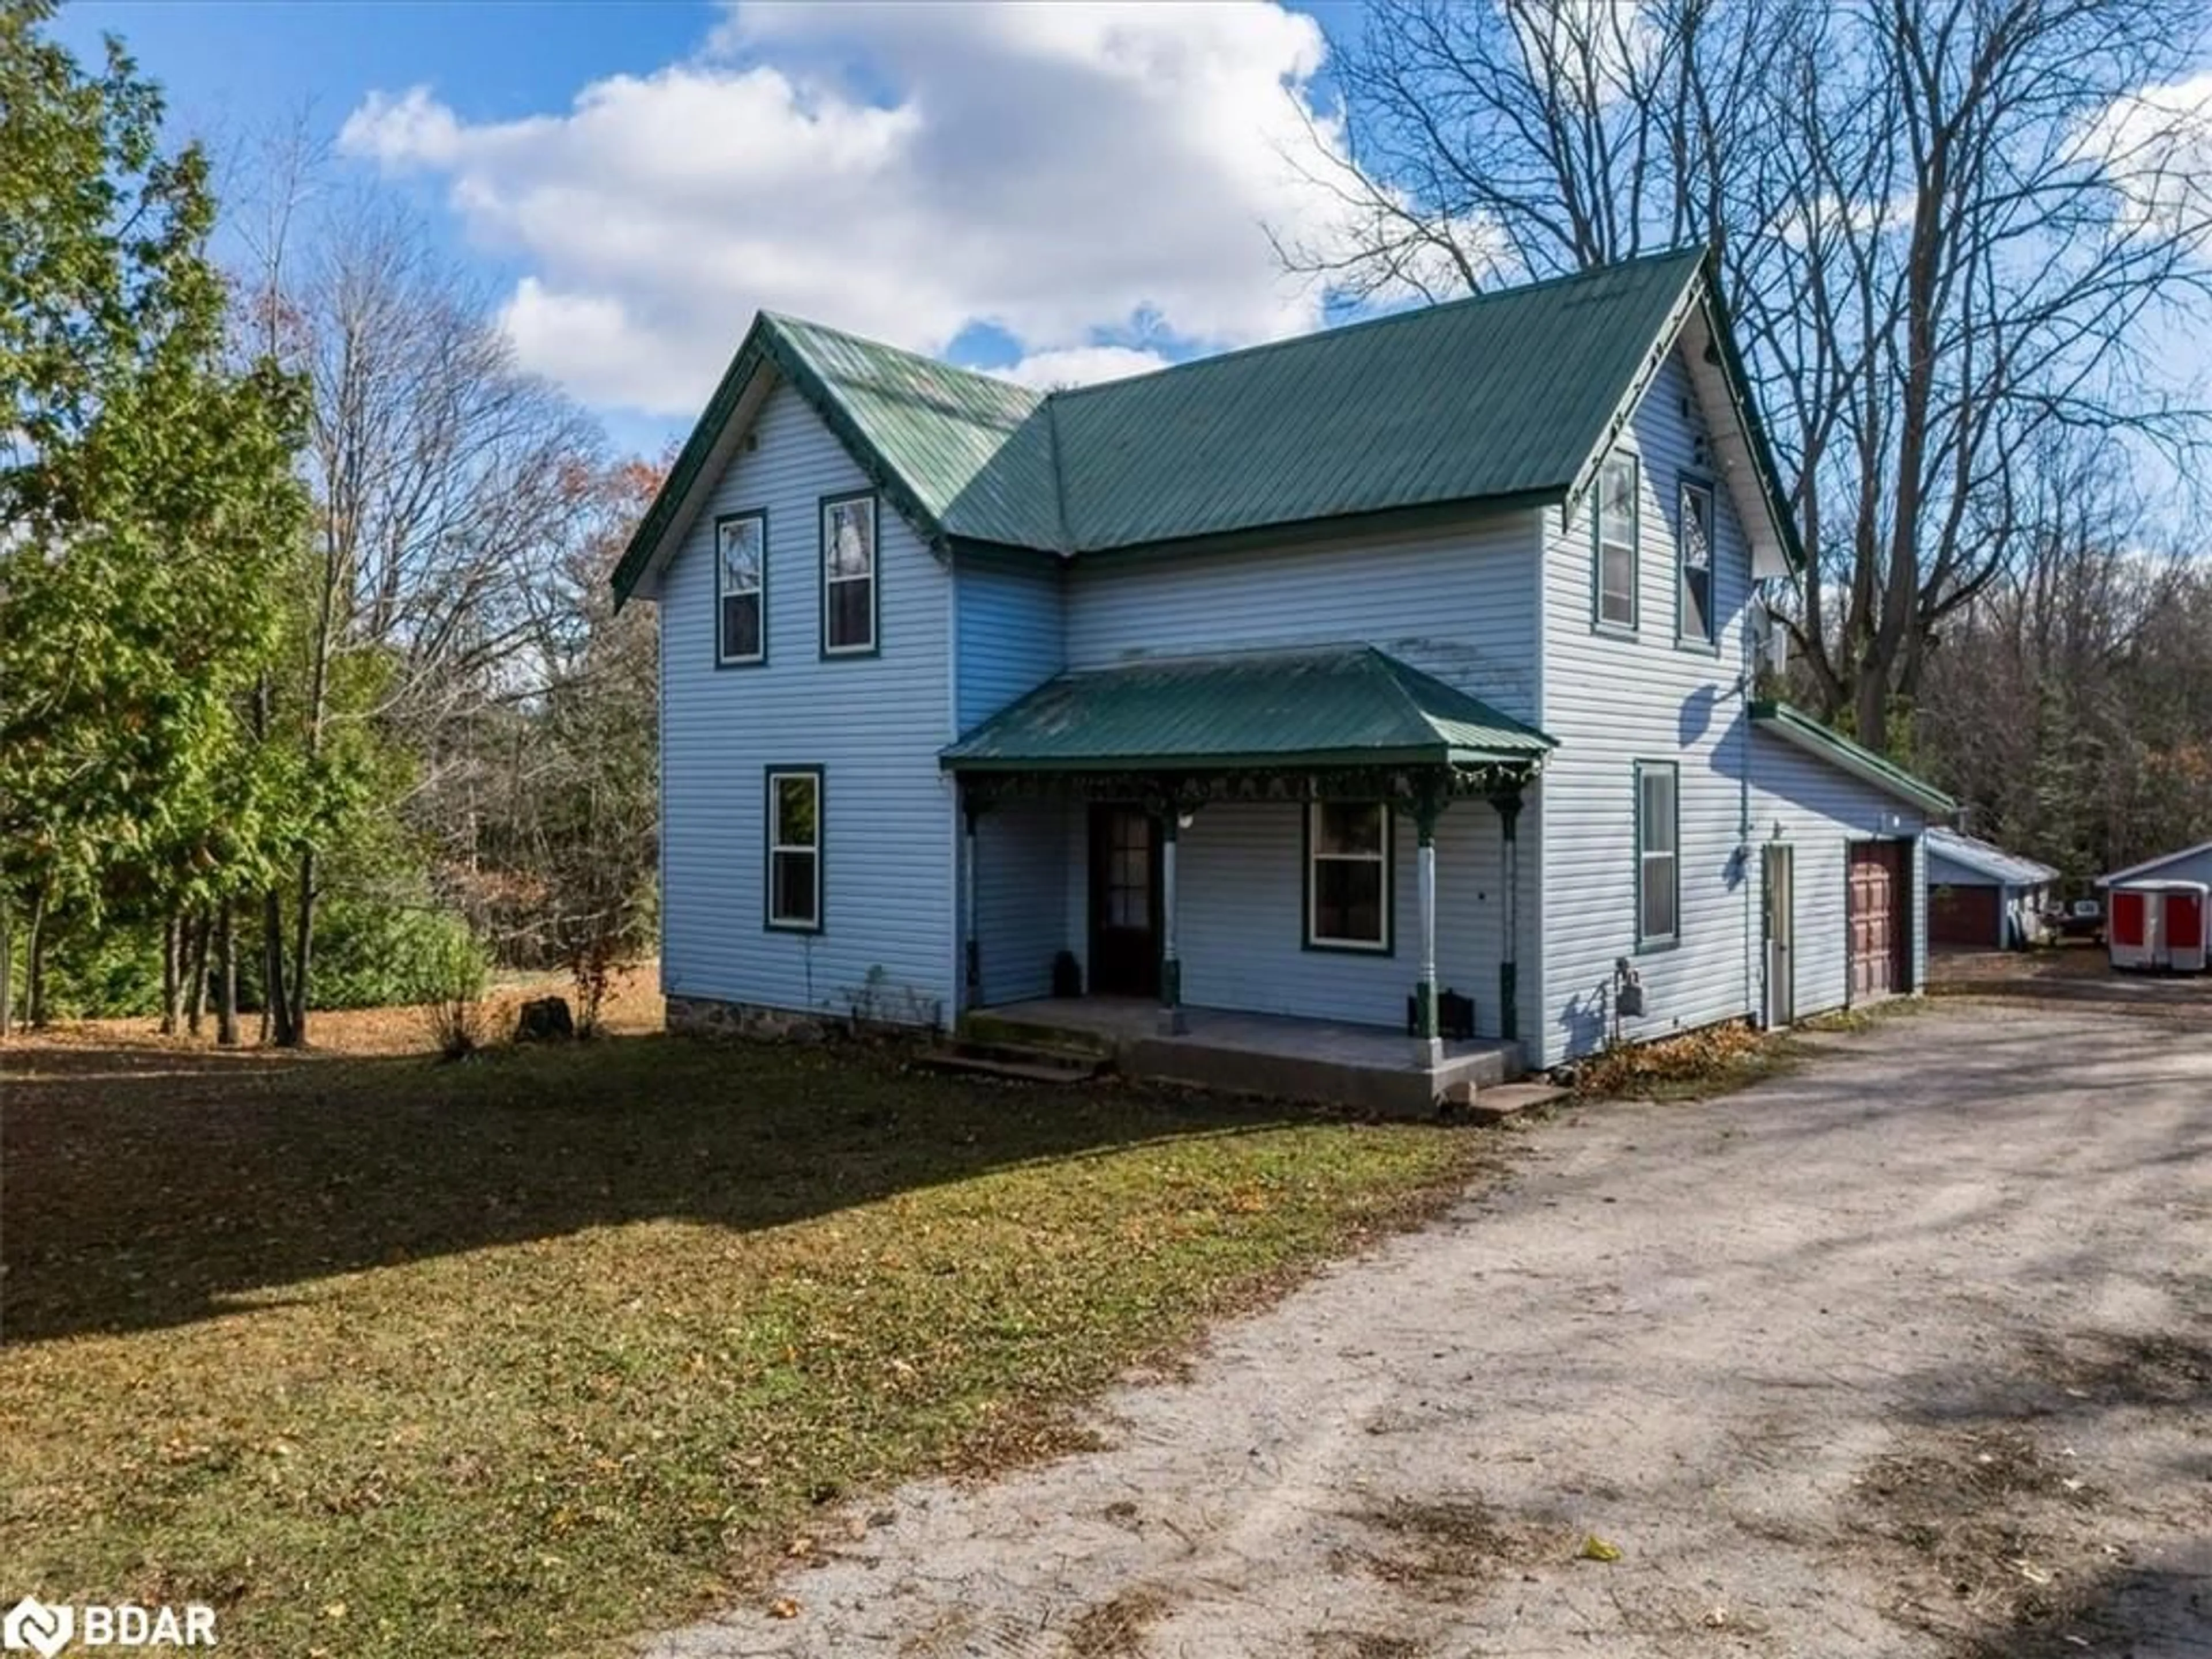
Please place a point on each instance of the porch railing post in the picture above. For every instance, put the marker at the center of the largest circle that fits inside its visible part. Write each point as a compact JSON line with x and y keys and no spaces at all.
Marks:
{"x":1172,"y":1023}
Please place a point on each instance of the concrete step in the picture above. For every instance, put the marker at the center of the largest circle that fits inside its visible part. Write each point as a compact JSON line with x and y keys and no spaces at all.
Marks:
{"x":988,"y":1030}
{"x":1498,"y":1101}
{"x":1029,"y":1061}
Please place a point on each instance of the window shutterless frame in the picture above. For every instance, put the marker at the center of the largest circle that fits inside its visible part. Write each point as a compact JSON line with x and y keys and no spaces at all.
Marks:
{"x":1615,"y":530}
{"x":741,"y":589}
{"x":850,"y":571}
{"x":792,"y":851}
{"x":1380,"y":861}
{"x":1658,"y":856}
{"x":1696,"y":584}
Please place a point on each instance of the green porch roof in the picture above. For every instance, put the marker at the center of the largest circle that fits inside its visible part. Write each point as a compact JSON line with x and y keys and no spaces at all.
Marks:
{"x":1505,"y":397}
{"x":1795,"y":727}
{"x":1349,"y":705}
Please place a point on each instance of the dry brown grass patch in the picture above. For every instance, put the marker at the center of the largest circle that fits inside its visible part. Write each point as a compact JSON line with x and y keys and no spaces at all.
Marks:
{"x":1115,"y":1628}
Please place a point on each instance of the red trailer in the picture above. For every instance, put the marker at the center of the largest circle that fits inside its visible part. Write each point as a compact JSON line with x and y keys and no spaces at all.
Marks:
{"x":2161,"y":924}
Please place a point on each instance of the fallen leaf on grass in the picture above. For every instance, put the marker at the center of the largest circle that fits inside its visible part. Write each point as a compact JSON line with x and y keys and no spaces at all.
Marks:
{"x":1595,"y":1548}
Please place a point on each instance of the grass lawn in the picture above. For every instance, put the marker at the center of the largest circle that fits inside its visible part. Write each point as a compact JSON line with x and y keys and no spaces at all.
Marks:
{"x":529,"y":1354}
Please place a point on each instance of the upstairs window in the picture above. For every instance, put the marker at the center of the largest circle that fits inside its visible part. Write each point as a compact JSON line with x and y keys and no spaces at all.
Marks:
{"x":848,"y":575}
{"x":1348,"y":876}
{"x":1616,"y":541}
{"x":1694,"y":533}
{"x":794,"y":849}
{"x":1658,"y":854}
{"x":741,"y":559}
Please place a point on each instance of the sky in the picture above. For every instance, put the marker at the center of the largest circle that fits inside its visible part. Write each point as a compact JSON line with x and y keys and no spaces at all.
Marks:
{"x":1059,"y":192}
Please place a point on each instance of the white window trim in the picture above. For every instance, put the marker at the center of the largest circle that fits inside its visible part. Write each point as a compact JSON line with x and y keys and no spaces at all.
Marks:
{"x":758,"y":591}
{"x":812,"y":777}
{"x":1631,"y":545}
{"x":866,"y":648}
{"x":1315,"y":939}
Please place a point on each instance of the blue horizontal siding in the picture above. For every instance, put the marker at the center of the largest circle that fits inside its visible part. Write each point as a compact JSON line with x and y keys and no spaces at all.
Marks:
{"x":874,"y":726}
{"x":1011,"y":629}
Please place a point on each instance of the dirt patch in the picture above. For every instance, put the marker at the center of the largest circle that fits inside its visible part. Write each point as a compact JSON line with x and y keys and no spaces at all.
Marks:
{"x":1115,"y":1628}
{"x":1365,"y":1644}
{"x":1984,"y":1531}
{"x":1444,"y":1545}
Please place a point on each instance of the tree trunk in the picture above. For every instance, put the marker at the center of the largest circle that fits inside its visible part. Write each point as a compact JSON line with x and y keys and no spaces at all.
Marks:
{"x":196,"y":1001}
{"x":7,"y":966}
{"x":276,"y":1010}
{"x":303,"y":946}
{"x":35,"y":989}
{"x":173,"y":972}
{"x":226,"y":974}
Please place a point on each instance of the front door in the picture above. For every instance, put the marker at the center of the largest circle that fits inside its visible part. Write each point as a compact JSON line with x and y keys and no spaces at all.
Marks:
{"x":1781,"y":936}
{"x":1125,"y":902}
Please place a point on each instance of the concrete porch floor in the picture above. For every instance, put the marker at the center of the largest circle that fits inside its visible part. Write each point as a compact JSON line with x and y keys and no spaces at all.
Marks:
{"x":1370,"y":1066}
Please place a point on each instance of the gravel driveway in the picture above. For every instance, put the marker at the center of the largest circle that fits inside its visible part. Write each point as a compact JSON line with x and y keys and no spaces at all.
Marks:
{"x":1909,"y":1353}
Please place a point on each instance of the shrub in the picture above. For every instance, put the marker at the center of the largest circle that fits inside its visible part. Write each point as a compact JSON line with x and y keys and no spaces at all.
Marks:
{"x":371,"y":954}
{"x":450,"y":992}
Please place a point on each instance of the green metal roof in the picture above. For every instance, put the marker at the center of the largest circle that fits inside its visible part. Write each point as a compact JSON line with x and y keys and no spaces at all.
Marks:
{"x":975,"y":450}
{"x":1348,"y":705}
{"x":1506,"y":397}
{"x":1796,"y":727}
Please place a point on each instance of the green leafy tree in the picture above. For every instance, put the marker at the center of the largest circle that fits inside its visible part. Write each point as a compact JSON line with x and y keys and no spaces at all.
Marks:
{"x":148,"y":505}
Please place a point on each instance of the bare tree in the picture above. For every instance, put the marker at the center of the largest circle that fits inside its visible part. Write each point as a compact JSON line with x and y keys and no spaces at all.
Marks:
{"x":1946,"y":229}
{"x":441,"y":474}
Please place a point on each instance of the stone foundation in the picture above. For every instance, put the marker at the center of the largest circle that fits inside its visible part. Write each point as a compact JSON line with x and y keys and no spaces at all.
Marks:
{"x":706,"y":1016}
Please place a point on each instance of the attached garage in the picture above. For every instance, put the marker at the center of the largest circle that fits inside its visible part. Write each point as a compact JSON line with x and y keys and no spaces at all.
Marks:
{"x":1880,"y":919}
{"x":1843,"y":864}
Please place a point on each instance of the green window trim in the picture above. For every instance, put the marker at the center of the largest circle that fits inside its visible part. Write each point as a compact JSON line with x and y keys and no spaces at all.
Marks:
{"x":1310,"y":938}
{"x":874,"y":578}
{"x":724,"y":657}
{"x":778,"y":852}
{"x":1669,"y":858}
{"x":1632,"y":544}
{"x":1689,"y":486}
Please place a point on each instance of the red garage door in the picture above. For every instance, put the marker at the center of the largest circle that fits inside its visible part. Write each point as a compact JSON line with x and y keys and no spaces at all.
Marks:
{"x":1963,"y":916}
{"x":1878,"y":897}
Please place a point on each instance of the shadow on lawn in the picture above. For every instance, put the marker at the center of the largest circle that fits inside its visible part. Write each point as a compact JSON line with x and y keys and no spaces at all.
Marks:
{"x":149,"y":1187}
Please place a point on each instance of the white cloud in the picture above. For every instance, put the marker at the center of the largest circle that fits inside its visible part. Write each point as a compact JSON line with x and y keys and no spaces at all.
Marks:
{"x":2155,"y":149}
{"x":1082,"y":366}
{"x":1071,"y":174}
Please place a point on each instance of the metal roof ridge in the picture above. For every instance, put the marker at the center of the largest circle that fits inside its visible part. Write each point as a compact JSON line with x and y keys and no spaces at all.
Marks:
{"x":1335,"y":331}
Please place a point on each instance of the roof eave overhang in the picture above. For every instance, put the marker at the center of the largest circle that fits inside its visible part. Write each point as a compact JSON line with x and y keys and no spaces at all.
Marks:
{"x":1329,"y":527}
{"x":713,"y":439}
{"x":1287,"y":761}
{"x":1833,"y":749}
{"x":2135,"y":871}
{"x":1776,"y":552}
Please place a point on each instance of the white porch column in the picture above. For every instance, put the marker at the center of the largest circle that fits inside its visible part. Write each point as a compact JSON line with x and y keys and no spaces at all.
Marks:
{"x":1428,"y":1045}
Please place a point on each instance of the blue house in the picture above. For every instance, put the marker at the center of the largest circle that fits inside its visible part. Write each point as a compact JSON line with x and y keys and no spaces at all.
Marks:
{"x":1386,"y":690}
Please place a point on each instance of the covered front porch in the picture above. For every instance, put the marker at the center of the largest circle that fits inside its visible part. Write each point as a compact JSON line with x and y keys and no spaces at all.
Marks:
{"x":1308,"y":853}
{"x":1368,"y":1066}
